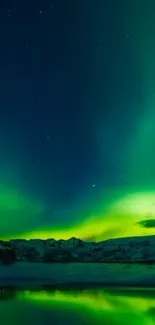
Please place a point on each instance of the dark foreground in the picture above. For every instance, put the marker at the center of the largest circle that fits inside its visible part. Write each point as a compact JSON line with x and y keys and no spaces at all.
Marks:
{"x":93,"y":306}
{"x":36,"y":275}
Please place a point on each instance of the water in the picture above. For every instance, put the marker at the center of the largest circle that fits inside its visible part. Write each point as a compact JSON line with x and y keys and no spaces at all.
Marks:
{"x":78,"y":307}
{"x":111,"y":274}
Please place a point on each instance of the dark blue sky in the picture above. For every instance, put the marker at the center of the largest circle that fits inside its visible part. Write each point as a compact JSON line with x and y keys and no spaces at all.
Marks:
{"x":70,"y":94}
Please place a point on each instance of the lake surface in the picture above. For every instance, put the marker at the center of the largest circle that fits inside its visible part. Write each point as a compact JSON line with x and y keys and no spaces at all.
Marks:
{"x":114,"y":306}
{"x":111,"y":274}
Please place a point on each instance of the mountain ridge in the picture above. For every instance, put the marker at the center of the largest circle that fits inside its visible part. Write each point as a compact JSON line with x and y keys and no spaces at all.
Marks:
{"x":118,"y":250}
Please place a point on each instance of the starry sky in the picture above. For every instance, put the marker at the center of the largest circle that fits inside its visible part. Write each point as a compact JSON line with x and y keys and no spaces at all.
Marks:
{"x":77,"y":135}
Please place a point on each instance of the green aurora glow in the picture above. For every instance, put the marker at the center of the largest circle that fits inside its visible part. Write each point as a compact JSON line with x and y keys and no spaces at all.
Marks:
{"x":117,"y":215}
{"x":120,"y":219}
{"x":17,"y":211}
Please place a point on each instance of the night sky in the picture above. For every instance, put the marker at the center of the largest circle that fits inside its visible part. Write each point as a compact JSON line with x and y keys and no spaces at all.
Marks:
{"x":77,"y":118}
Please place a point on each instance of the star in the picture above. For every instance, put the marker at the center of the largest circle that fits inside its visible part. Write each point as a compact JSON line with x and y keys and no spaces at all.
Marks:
{"x":40,"y":12}
{"x":9,"y":13}
{"x":127,"y":36}
{"x":38,"y":161}
{"x":47,"y":138}
{"x":94,"y":185}
{"x":101,"y":41}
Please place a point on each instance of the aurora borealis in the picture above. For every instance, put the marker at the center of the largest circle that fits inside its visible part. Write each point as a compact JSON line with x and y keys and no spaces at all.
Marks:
{"x":77,"y":109}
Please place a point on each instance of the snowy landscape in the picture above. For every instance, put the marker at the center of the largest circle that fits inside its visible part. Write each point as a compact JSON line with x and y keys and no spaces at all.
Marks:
{"x":124,"y":261}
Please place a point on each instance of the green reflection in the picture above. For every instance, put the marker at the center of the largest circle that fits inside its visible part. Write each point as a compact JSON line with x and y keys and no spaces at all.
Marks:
{"x":99,"y":306}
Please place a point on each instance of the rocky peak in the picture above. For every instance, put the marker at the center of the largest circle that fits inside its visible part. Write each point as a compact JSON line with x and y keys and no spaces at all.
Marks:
{"x":125,"y":250}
